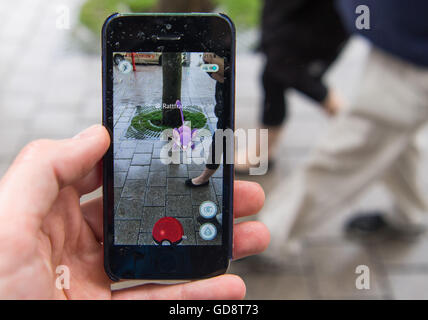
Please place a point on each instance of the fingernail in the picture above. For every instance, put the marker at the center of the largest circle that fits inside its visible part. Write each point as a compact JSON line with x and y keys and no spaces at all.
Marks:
{"x":87,"y":132}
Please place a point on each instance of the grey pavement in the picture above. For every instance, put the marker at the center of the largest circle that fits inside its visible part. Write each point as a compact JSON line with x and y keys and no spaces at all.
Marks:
{"x":50,"y":89}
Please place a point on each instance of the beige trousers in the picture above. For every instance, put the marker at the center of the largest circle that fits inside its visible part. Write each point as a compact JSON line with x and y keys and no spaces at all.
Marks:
{"x":373,"y":140}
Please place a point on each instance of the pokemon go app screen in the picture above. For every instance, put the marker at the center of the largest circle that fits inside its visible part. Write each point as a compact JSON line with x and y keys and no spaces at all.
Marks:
{"x":166,"y":108}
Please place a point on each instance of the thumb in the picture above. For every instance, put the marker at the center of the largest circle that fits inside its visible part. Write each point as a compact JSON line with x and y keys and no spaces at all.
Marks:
{"x":42,"y":168}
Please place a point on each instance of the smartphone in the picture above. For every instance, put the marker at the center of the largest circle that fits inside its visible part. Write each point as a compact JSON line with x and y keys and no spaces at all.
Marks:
{"x":168,"y":86}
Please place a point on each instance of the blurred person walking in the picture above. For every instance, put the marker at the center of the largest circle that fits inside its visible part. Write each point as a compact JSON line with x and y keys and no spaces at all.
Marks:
{"x":372,"y":140}
{"x":300,"y":39}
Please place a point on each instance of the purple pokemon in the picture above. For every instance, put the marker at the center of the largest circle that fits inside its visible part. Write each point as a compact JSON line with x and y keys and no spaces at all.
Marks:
{"x":183,"y":135}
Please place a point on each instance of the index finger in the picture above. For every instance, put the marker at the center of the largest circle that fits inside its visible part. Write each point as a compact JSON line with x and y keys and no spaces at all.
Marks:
{"x":248,"y":198}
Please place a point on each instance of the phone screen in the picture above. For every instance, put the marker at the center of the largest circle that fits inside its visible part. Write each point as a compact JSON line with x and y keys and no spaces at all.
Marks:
{"x":168,"y":176}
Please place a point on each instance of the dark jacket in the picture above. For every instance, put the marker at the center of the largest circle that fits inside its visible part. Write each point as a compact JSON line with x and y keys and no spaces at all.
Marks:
{"x":399,"y":27}
{"x":306,"y":30}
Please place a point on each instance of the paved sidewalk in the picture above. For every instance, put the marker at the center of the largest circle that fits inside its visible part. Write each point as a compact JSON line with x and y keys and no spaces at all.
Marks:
{"x":50,"y":89}
{"x":146,"y":189}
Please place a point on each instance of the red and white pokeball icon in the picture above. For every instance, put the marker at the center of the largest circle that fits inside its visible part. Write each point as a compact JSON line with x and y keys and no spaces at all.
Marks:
{"x":167,"y":230}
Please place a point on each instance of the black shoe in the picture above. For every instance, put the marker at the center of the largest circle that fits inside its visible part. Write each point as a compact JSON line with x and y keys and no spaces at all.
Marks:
{"x":190,"y":183}
{"x":372,"y":226}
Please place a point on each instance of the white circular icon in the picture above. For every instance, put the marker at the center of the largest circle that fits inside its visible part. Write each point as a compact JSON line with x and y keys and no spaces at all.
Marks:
{"x":124,"y":66}
{"x":208,"y":209}
{"x":208,"y":231}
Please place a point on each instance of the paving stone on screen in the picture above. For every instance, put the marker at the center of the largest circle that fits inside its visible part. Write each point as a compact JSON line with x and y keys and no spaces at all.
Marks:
{"x":128,"y":144}
{"x":156,"y":153}
{"x":198,"y":220}
{"x":155,"y":197}
{"x":120,"y":126}
{"x":202,"y":194}
{"x":119,"y":179}
{"x":129,"y":111}
{"x":177,"y":170}
{"x":121,"y":165}
{"x":177,"y":186}
{"x":189,"y":231}
{"x":126,"y":232}
{"x":145,"y":239}
{"x":160,"y":144}
{"x":124,"y":119}
{"x":196,"y":167}
{"x":134,"y":189}
{"x":129,"y":209}
{"x":218,"y":185}
{"x":119,"y":131}
{"x":150,"y":216}
{"x":117,"y":193}
{"x":220,"y":202}
{"x":178,"y":206}
{"x":141,"y":159}
{"x":211,"y":113}
{"x":124,"y":154}
{"x":144,"y":147}
{"x":157,"y":179}
{"x":138,"y":172}
{"x":157,"y":165}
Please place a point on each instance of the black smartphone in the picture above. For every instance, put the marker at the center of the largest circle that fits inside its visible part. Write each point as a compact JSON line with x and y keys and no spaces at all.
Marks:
{"x":168,"y":86}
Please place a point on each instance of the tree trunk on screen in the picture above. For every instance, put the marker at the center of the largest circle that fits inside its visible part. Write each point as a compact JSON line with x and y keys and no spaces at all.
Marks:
{"x":171,"y":90}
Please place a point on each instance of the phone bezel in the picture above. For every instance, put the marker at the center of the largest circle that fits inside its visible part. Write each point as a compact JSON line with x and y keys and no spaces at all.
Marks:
{"x":140,"y":262}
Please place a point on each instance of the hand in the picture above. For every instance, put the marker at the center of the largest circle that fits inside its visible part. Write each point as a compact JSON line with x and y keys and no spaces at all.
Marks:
{"x":212,"y":58}
{"x":43,"y":225}
{"x":333,"y":103}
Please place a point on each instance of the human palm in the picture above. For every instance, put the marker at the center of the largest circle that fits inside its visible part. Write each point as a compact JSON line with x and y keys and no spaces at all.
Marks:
{"x":43,"y":225}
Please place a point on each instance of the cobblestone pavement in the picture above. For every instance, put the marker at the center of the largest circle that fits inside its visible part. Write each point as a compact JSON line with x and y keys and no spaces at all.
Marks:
{"x":145,"y":188}
{"x":50,"y":89}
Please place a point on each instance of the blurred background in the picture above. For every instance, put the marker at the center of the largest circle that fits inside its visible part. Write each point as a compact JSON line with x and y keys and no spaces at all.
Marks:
{"x":51,"y":88}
